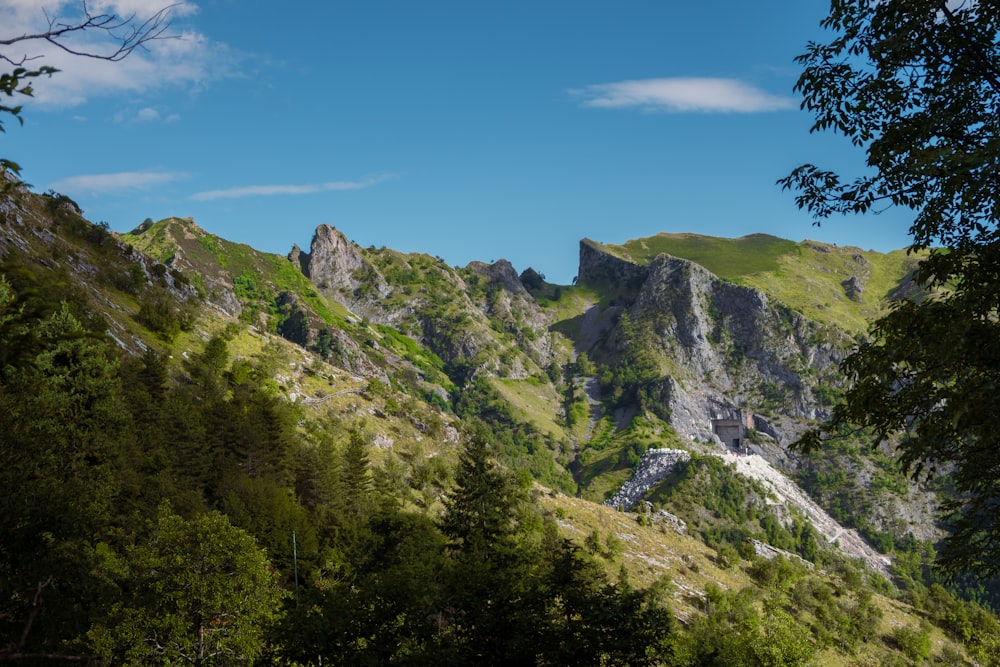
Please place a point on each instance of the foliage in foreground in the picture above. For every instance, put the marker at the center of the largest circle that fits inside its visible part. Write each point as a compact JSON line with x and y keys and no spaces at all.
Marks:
{"x":146,"y":521}
{"x":916,"y":85}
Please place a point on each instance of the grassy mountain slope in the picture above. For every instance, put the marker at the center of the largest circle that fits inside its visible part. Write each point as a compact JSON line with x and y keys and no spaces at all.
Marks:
{"x":432,"y":330}
{"x":459,"y":348}
{"x":809,"y":277}
{"x":219,"y":266}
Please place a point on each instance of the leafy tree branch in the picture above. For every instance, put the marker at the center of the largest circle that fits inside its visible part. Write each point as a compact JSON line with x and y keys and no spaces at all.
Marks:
{"x":916,"y":85}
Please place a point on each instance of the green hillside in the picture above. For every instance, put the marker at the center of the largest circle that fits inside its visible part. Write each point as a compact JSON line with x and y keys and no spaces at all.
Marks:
{"x":808,"y":277}
{"x":179,"y":439}
{"x":258,"y":278}
{"x":730,"y":259}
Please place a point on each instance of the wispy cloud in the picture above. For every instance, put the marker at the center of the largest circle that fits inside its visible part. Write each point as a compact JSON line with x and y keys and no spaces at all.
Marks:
{"x":679,"y":95}
{"x":145,"y":115}
{"x":125,"y":180}
{"x":186,"y":59}
{"x":148,"y":114}
{"x":306,"y":189}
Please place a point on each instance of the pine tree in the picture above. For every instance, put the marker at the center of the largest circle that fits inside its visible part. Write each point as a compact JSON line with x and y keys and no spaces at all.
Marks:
{"x":498,"y":601}
{"x":357,"y":478}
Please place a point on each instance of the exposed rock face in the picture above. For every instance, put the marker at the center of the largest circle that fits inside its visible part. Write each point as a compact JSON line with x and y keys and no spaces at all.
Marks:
{"x":299,"y":259}
{"x":728,"y":346}
{"x":438,"y":310}
{"x":853,"y":288}
{"x":722,"y":347}
{"x":655,"y":465}
{"x":513,"y":306}
{"x":334,"y":263}
{"x":770,"y":553}
{"x":847,"y":540}
{"x":906,"y":289}
{"x":501,"y":272}
{"x":598,"y":268}
{"x":663,"y":517}
{"x":672,"y":520}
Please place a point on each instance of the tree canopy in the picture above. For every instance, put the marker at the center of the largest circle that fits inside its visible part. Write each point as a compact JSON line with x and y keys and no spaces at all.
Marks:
{"x":915,"y":84}
{"x":199,"y":592}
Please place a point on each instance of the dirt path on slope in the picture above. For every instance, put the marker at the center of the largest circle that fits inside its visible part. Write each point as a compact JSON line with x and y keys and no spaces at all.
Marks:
{"x":592,"y":390}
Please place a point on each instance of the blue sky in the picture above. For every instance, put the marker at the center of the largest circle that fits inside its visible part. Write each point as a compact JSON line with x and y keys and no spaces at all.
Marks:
{"x":466,"y":130}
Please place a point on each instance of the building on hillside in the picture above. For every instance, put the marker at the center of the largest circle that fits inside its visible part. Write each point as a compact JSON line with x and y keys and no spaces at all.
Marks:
{"x":731,"y":426}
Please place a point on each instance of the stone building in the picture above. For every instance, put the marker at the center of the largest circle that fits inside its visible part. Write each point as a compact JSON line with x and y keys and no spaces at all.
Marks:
{"x":731,"y":426}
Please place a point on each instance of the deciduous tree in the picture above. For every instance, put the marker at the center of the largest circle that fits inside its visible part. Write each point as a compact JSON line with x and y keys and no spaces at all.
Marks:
{"x":197,"y":591}
{"x":915,"y":84}
{"x":18,"y":53}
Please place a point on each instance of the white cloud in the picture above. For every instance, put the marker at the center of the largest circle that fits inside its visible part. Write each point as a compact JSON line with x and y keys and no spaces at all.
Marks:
{"x":126,"y":180}
{"x":309,"y":188}
{"x":148,"y":114}
{"x":140,"y":7}
{"x":144,"y":115}
{"x":187,"y":58}
{"x":711,"y":95}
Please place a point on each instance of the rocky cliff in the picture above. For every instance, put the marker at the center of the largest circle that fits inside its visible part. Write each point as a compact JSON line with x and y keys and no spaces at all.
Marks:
{"x":724,"y":344}
{"x":723,"y":347}
{"x":480,"y":318}
{"x":599,"y":268}
{"x":336,"y":266}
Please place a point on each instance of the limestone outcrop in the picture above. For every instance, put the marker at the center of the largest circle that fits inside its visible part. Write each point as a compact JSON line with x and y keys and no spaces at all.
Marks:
{"x":599,"y":268}
{"x":654,"y":466}
{"x":489,"y":325}
{"x":723,"y":347}
{"x":726,"y":345}
{"x":336,"y":266}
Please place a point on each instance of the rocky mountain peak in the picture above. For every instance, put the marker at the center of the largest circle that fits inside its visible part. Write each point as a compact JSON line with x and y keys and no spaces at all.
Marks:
{"x":600,"y":268}
{"x":334,"y":262}
{"x":500,"y":271}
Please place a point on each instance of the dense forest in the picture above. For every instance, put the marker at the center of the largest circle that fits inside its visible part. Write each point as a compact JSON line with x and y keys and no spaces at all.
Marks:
{"x":147,"y":520}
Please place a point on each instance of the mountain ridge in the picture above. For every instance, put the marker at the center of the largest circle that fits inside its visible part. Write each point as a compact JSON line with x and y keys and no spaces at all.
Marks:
{"x":574,"y":382}
{"x":481,"y":320}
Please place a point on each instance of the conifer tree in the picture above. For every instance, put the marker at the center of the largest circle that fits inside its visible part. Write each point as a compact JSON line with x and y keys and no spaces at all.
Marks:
{"x":494,"y":587}
{"x":65,"y":431}
{"x":357,"y":478}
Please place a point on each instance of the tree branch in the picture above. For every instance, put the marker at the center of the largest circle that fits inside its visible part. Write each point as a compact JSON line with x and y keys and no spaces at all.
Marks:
{"x":129,"y":34}
{"x":989,"y":71}
{"x":36,"y":606}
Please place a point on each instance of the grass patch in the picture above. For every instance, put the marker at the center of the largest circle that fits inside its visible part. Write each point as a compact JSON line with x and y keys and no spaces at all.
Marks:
{"x":726,"y":258}
{"x":812,"y":283}
{"x":532,"y":402}
{"x":602,"y":475}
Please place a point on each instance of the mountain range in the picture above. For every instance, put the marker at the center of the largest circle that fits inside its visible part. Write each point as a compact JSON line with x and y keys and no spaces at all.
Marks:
{"x":653,"y":402}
